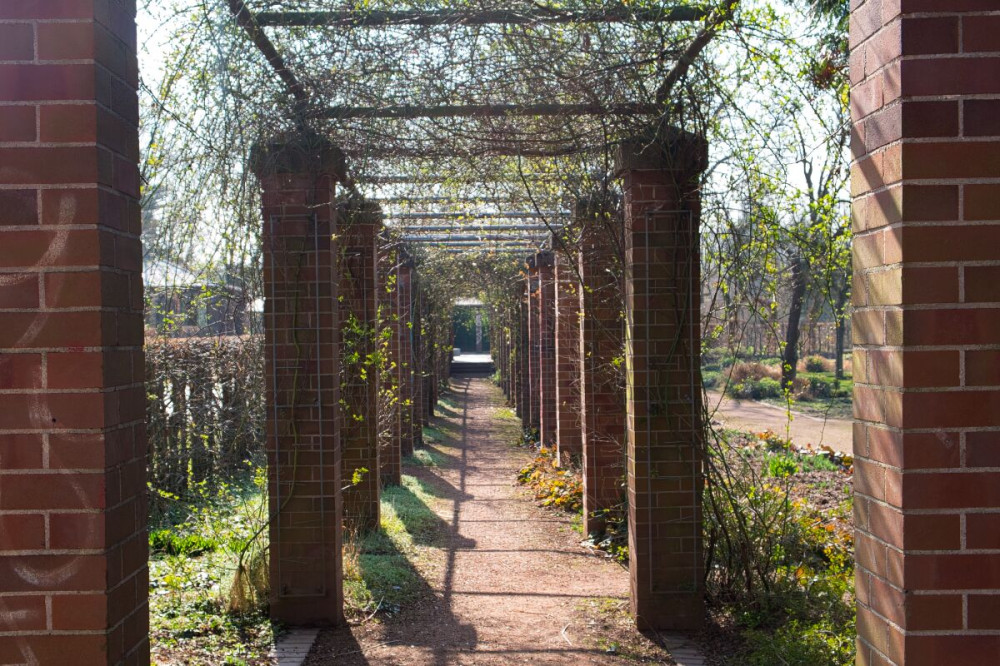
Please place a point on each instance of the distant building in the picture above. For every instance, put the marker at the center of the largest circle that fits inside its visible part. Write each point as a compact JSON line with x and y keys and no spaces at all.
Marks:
{"x":182,"y":303}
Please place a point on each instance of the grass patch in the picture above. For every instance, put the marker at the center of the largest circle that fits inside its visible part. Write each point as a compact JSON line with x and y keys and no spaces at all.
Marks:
{"x":195,"y":545}
{"x":447,"y":402}
{"x":379,"y":571}
{"x":506,"y":414}
{"x":425,"y":457}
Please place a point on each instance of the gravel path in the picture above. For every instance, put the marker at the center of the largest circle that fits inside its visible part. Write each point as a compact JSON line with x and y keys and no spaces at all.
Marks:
{"x":759,"y":416}
{"x":509,"y":583}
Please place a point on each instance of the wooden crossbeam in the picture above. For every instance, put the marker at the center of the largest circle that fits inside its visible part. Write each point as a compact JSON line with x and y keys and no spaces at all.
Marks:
{"x":479,"y":243}
{"x":413,"y":111}
{"x":442,"y":228}
{"x":525,"y":16}
{"x":502,"y":215}
{"x":425,"y":179}
{"x":500,"y":238}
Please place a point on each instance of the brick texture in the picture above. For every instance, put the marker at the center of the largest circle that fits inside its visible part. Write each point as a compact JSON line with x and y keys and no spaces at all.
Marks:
{"x":567,"y":355}
{"x":523,"y":352}
{"x":358,"y":258}
{"x":404,"y":345}
{"x":663,"y":383}
{"x":601,"y":341}
{"x":926,"y":253}
{"x":390,"y":458}
{"x":534,"y":388}
{"x":299,"y":175}
{"x":73,"y":508}
{"x":546,"y":348}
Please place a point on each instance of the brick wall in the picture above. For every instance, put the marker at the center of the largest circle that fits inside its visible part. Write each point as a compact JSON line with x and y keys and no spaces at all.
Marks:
{"x":663,"y":388}
{"x":926,"y":190}
{"x":358,"y":257}
{"x":601,"y":340}
{"x":298,"y":176}
{"x":73,"y":547}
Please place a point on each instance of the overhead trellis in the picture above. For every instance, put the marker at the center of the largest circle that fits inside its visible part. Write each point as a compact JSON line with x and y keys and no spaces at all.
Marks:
{"x":480,"y":100}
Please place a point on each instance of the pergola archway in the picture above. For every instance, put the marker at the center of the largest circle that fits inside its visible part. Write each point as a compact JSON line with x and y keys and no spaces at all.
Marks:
{"x":72,"y":455}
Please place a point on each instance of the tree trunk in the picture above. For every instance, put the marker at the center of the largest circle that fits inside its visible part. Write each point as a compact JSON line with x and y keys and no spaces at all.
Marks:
{"x":790,"y":358}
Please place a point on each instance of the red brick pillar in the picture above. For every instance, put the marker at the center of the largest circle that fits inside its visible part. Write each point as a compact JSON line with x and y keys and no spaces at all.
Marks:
{"x":524,"y":355}
{"x":404,"y":340}
{"x":534,"y":347}
{"x":418,"y":364}
{"x":73,"y":545}
{"x":513,"y":331}
{"x":547,"y":347}
{"x":602,"y":333}
{"x":926,"y":108}
{"x":358,"y":270}
{"x":298,"y":176}
{"x":663,"y":387}
{"x":390,"y":460}
{"x":567,"y":357}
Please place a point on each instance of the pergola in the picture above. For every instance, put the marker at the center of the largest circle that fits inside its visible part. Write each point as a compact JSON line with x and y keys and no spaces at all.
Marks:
{"x":539,"y":325}
{"x":73,"y":542}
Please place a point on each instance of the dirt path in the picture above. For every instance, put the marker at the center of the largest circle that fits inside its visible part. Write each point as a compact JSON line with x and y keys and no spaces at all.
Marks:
{"x":804,"y":428}
{"x":510,"y":581}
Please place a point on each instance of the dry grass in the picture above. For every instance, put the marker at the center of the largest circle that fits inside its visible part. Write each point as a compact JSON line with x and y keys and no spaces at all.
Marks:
{"x":756,"y":371}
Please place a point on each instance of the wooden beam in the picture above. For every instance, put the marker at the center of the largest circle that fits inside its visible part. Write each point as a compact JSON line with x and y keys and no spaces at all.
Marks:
{"x":468,"y":238}
{"x":502,"y":215}
{"x":245,"y":19}
{"x":489,"y":228}
{"x":526,"y":16}
{"x":412,"y":111}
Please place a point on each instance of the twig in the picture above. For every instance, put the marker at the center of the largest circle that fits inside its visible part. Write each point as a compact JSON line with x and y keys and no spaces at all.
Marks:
{"x":563,"y":634}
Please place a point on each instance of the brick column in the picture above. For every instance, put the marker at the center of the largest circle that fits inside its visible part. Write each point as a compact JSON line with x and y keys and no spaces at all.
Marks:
{"x":298,"y":176}
{"x":926,"y":187}
{"x":73,"y":545}
{"x":404,"y":341}
{"x":663,"y":387}
{"x":524,"y":355}
{"x":547,"y":347}
{"x":416,"y":328}
{"x":567,"y":357}
{"x":390,"y":460}
{"x":427,"y":358}
{"x":602,"y":331}
{"x":534,"y":347}
{"x":358,"y":270}
{"x":514,"y":331}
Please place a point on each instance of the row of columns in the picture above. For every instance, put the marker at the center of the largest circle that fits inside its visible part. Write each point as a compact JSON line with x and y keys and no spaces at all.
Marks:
{"x":344,"y":366}
{"x":73,"y":516}
{"x":603,"y":364}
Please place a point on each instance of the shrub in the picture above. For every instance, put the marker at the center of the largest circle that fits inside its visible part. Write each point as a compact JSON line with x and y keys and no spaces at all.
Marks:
{"x":171,"y":543}
{"x":803,"y":644}
{"x":710,"y":378}
{"x":781,"y":466}
{"x":755,"y":389}
{"x":818,"y":364}
{"x":558,"y":487}
{"x":755,"y":371}
{"x":204,"y":410}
